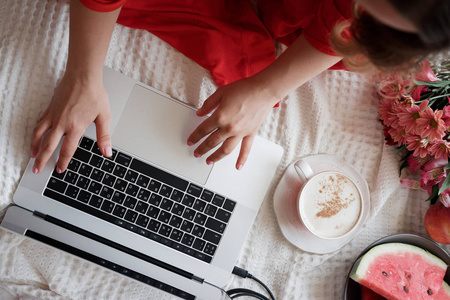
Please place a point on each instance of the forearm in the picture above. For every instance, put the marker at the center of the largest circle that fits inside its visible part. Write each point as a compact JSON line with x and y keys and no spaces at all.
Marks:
{"x":295,"y":66}
{"x":90,"y":34}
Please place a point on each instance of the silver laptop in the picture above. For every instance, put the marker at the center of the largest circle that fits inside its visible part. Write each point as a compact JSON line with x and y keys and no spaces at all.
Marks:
{"x":153,"y":211}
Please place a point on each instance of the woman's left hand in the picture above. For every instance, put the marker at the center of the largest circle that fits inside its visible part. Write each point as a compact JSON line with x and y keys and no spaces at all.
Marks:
{"x":239,"y":110}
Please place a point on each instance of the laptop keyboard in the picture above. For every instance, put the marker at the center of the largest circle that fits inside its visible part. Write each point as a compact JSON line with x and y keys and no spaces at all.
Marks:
{"x":144,"y":199}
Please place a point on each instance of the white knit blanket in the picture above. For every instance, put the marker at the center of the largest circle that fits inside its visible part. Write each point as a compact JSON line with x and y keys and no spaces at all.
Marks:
{"x":334,"y":113}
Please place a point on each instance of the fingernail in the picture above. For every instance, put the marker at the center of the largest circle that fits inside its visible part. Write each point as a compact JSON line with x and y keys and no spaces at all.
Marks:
{"x":239,"y":167}
{"x":198,"y":111}
{"x":196,"y":155}
{"x":208,"y":162}
{"x":33,"y":155}
{"x":108,"y":151}
{"x":58,"y":170}
{"x":190,"y":143}
{"x":35,"y":170}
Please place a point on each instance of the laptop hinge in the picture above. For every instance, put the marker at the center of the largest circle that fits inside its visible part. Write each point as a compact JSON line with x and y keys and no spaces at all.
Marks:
{"x":117,"y":246}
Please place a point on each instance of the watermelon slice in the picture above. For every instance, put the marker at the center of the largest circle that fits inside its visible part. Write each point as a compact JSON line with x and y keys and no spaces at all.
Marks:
{"x":444,"y":292}
{"x":368,"y":294}
{"x":399,"y":271}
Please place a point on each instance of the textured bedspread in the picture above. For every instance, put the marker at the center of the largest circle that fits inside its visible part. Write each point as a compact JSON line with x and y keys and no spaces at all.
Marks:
{"x":335,"y":113}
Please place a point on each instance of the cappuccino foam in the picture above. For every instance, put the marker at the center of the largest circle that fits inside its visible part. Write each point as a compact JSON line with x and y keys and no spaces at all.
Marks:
{"x":330,"y":204}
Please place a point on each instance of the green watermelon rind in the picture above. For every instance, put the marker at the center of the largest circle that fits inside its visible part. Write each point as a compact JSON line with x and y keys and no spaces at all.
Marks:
{"x":361,"y":266}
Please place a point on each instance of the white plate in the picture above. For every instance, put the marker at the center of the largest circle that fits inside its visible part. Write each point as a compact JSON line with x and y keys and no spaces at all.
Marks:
{"x":285,"y":204}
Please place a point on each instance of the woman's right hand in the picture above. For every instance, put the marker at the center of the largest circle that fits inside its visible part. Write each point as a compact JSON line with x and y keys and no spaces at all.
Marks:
{"x":77,"y":102}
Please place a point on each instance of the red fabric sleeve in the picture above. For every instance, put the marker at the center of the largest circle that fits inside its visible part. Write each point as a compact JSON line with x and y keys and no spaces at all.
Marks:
{"x":103,"y":5}
{"x":329,"y":13}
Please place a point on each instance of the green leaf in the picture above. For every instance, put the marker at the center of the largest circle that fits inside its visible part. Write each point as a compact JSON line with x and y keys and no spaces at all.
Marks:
{"x":434,"y":194}
{"x":442,"y":83}
{"x":445,"y":185}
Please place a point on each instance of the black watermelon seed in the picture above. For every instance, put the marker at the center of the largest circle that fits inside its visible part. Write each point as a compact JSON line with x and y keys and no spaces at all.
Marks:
{"x":405,"y":289}
{"x":429,"y":292}
{"x":384,"y":273}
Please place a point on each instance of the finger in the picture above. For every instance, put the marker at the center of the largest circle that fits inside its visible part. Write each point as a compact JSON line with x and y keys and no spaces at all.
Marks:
{"x":210,"y":104}
{"x":68,"y":148}
{"x":46,"y":150}
{"x":103,"y":134}
{"x":44,"y":115}
{"x":202,"y":130}
{"x":224,"y":150}
{"x":38,"y":134}
{"x":210,"y":142}
{"x":246,"y":146}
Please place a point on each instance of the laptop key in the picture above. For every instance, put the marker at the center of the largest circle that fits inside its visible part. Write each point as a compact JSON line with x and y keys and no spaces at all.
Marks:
{"x":131,"y":176}
{"x":189,"y":214}
{"x":166,"y":204}
{"x":109,"y":180}
{"x":143,"y":181}
{"x":58,"y":175}
{"x":107,"y":206}
{"x":119,"y":211}
{"x":153,"y":212}
{"x":108,"y":166}
{"x":164,"y":216}
{"x":199,"y":244}
{"x":95,"y":187}
{"x":177,"y":209}
{"x":120,"y":185}
{"x":123,"y":159}
{"x":188,"y":200}
{"x":155,"y":199}
{"x":84,"y":196}
{"x":218,"y":200}
{"x":82,"y":155}
{"x":154,"y":225}
{"x":194,"y":190}
{"x":176,"y":235}
{"x":119,"y":171}
{"x":106,"y":192}
{"x":207,"y":195}
{"x":215,"y":225}
{"x":97,"y":175}
{"x":200,"y":219}
{"x":223,"y":215}
{"x":73,"y":165}
{"x":175,"y":221}
{"x":83,"y":182}
{"x":95,"y":201}
{"x":198,"y":231}
{"x":71,"y":177}
{"x":165,"y":191}
{"x":177,"y":195}
{"x":57,"y":185}
{"x":132,"y":189}
{"x":131,"y":216}
{"x":199,"y":205}
{"x":229,"y":205}
{"x":85,"y":170}
{"x":130,"y":202}
{"x":212,"y":236}
{"x":188,"y":239}
{"x":165,"y":230}
{"x":154,"y":186}
{"x":143,"y":195}
{"x":72,"y":191}
{"x":210,"y":249}
{"x":141,"y":207}
{"x":96,"y":161}
{"x":187,"y":226}
{"x":210,"y":210}
{"x":118,"y":197}
{"x":142,"y":221}
{"x":86,"y":143}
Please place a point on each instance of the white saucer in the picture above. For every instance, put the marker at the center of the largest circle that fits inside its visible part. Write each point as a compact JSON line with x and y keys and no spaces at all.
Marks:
{"x":285,"y":204}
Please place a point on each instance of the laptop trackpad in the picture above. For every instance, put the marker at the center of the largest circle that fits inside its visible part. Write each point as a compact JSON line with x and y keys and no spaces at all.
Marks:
{"x":155,"y":128}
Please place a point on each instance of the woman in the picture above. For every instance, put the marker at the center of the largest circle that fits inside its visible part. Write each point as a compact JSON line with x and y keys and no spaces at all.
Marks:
{"x":378,"y":35}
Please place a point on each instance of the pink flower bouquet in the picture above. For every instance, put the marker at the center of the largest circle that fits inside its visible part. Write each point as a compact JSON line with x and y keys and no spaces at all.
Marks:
{"x":415,"y":110}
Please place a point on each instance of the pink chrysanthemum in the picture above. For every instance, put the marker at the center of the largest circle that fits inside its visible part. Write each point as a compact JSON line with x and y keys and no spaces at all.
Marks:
{"x":388,"y":111}
{"x":430,"y":124}
{"x":398,"y":135}
{"x":440,"y":149}
{"x":394,"y":86}
{"x":418,"y":145}
{"x":408,"y":118}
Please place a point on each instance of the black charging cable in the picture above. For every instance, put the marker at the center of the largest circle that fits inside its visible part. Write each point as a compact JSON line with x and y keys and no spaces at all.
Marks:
{"x":236,"y":293}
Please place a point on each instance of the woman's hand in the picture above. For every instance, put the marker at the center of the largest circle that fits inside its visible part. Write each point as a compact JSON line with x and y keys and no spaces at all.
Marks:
{"x":77,"y":102}
{"x":240,"y":109}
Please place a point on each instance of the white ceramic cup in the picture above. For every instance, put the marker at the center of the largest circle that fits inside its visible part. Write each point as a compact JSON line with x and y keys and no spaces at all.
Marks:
{"x":329,"y":203}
